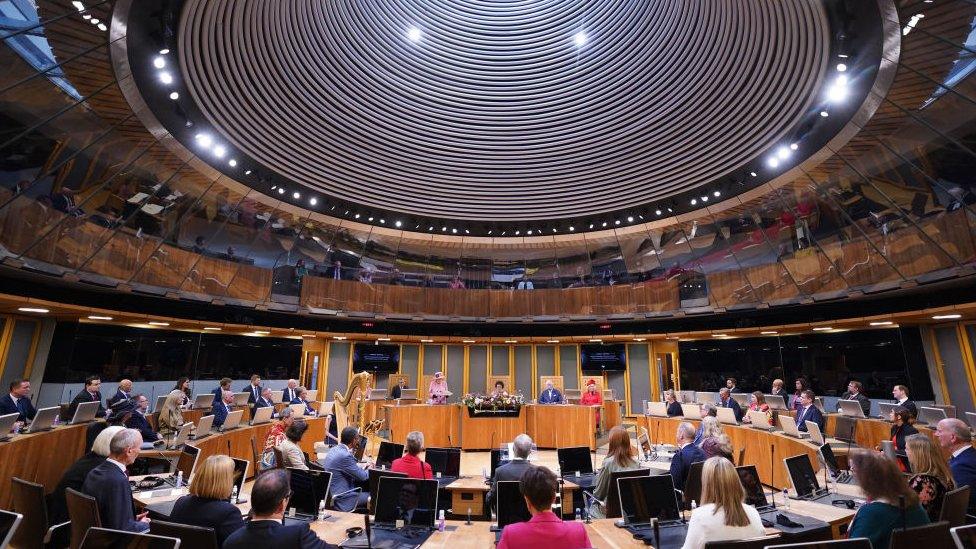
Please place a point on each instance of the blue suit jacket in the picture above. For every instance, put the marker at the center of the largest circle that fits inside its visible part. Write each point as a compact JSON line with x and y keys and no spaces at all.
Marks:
{"x":288,"y":395}
{"x":117,"y":397}
{"x":346,"y":475}
{"x":110,"y":488}
{"x":7,"y":406}
{"x":812,"y":414}
{"x":218,"y":395}
{"x":251,"y":397}
{"x":555,"y":397}
{"x":308,"y":407}
{"x":736,"y":409}
{"x":271,"y":533}
{"x":682,"y":461}
{"x":139,"y":422}
{"x":963,"y":469}
{"x":219,"y":412}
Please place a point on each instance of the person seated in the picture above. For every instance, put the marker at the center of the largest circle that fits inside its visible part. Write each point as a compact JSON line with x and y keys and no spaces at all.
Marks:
{"x":778,"y":389}
{"x":720,"y":446}
{"x":290,"y":392}
{"x":521,"y":448}
{"x":124,"y":392}
{"x":711,"y":427}
{"x":620,"y":457}
{"x":409,"y":463}
{"x":397,"y":389}
{"x":732,"y":385}
{"x":291,"y":453}
{"x":550,"y":395}
{"x":183,"y":385}
{"x":707,"y":410}
{"x":137,"y":419}
{"x":89,"y":394}
{"x":884,"y":487}
{"x":75,"y":476}
{"x":854,"y":392}
{"x":64,"y":201}
{"x":170,"y":415}
{"x":438,"y":392}
{"x":801,"y":385}
{"x":265,"y":400}
{"x":222,"y":410}
{"x":757,"y":403}
{"x":900,"y":392}
{"x":302,"y":398}
{"x":218,"y":393}
{"x":725,"y":400}
{"x":347,"y":477}
{"x":902,"y":427}
{"x":544,"y":530}
{"x":269,"y":499}
{"x":108,"y":483}
{"x":931,"y":478}
{"x":499,"y":389}
{"x":207,"y":503}
{"x":254,"y":389}
{"x":687,"y":453}
{"x":674,"y":407}
{"x":807,"y":411}
{"x":17,"y":401}
{"x":592,"y":396}
{"x":956,"y":439}
{"x":723,"y":514}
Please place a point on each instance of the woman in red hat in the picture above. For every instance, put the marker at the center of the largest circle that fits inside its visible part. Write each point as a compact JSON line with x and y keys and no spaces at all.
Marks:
{"x":592,"y":397}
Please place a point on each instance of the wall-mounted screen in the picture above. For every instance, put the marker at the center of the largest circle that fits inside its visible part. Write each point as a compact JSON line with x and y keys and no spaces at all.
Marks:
{"x":376,"y":358}
{"x":603,"y":358}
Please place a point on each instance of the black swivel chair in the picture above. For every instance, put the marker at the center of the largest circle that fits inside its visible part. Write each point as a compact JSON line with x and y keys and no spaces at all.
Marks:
{"x":198,"y":537}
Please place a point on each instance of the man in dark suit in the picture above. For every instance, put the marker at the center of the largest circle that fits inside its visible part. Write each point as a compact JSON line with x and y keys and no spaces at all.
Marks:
{"x":955,"y":437}
{"x":808,"y":412}
{"x":18,"y":401}
{"x":265,"y":399}
{"x":397,"y":389}
{"x":854,"y":392}
{"x":138,"y":419}
{"x":89,"y":394}
{"x":726,"y":401}
{"x":124,"y":392}
{"x":109,"y":484}
{"x":687,"y":454}
{"x":347,"y":475}
{"x":521,"y":447}
{"x":732,"y":385}
{"x":269,"y":499}
{"x":254,"y":389}
{"x":218,"y":393}
{"x":222,"y":409}
{"x":900,"y":392}
{"x":550,"y":395}
{"x":291,"y":391}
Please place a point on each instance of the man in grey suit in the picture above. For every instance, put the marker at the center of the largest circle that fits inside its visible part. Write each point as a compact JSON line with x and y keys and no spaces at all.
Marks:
{"x":109,"y":484}
{"x":347,"y":476}
{"x":513,"y":470}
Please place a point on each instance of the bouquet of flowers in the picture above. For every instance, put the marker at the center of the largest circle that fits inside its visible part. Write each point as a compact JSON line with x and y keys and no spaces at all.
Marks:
{"x":493,"y":402}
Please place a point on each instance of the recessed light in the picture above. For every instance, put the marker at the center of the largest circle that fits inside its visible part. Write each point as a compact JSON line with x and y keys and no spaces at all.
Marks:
{"x":159,"y":62}
{"x":164,"y":51}
{"x":717,"y":194}
{"x":95,"y":21}
{"x":340,"y":338}
{"x":694,"y":201}
{"x":212,"y":328}
{"x":281,"y":190}
{"x":174,"y":95}
{"x":824,"y":114}
{"x":511,"y":341}
{"x":262,"y":332}
{"x":753,"y":174}
{"x":33,"y":310}
{"x":946,"y":317}
{"x":885,"y":323}
{"x":398,"y":224}
{"x":157,"y":323}
{"x":426,"y":340}
{"x":204,"y":140}
{"x":414,"y":34}
{"x":572,"y":228}
{"x":794,"y":146}
{"x":165,"y":77}
{"x":596,"y":341}
{"x":773,"y":162}
{"x":308,"y":335}
{"x":247,"y":172}
{"x":768,"y":332}
{"x":822,"y":328}
{"x":579,"y":38}
{"x":78,"y":5}
{"x":99,"y":317}
{"x":657,"y":212}
{"x":313,"y":201}
{"x":102,"y":27}
{"x":382,"y":339}
{"x":296,"y":195}
{"x":720,"y":335}
{"x":232,"y":163}
{"x":219,"y":151}
{"x":552,"y":341}
{"x":640,"y":339}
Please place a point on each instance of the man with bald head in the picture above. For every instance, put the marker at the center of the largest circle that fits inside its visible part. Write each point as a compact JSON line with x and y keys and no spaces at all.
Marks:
{"x":954,"y":436}
{"x":124,"y":392}
{"x":513,"y":470}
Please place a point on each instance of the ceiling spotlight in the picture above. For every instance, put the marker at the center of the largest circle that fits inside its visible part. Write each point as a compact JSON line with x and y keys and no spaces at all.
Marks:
{"x":86,"y":16}
{"x":102,"y":27}
{"x":78,"y":5}
{"x":356,"y":216}
{"x":165,"y":77}
{"x":822,"y":329}
{"x":794,"y":146}
{"x":773,"y":162}
{"x":753,"y":174}
{"x":232,"y":163}
{"x":159,"y":62}
{"x":783,"y":153}
{"x":838,"y":91}
{"x":591,"y":225}
{"x":518,"y":233}
{"x":768,"y":333}
{"x":630,"y":219}
{"x":528,"y":233}
{"x":157,"y":323}
{"x":604,"y":224}
{"x":717,"y":194}
{"x":212,"y":328}
{"x":841,"y":67}
{"x":579,"y":38}
{"x":657,"y":212}
{"x":572,"y":228}
{"x":431,"y":228}
{"x":370,"y":219}
{"x":164,"y":51}
{"x":617,"y":222}
{"x":398,"y":224}
{"x":313,"y":201}
{"x":414,"y":34}
{"x":174,"y":95}
{"x":824,"y":114}
{"x":219,"y":151}
{"x":694,"y":201}
{"x":704,"y":199}
{"x":443,"y":229}
{"x":95,"y":21}
{"x":204,"y":140}
{"x":454,"y":231}
{"x":884,"y":323}
{"x":382,"y":222}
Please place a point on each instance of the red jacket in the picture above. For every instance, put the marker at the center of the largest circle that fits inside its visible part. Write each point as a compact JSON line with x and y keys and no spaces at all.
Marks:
{"x":411,"y":465}
{"x":544,"y":531}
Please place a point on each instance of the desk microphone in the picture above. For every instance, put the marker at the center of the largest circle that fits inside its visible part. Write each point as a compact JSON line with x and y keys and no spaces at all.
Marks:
{"x":450,"y":443}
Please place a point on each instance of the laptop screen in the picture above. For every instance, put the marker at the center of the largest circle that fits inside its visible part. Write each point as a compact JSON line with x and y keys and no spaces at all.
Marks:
{"x":308,"y":489}
{"x":844,"y":430}
{"x":830,"y":461}
{"x":497,"y":460}
{"x":240,"y":473}
{"x":411,"y":500}
{"x":446,"y":461}
{"x":187,"y":460}
{"x":103,"y":538}
{"x":388,"y":452}
{"x":574,"y":459}
{"x":749,"y":477}
{"x":644,"y":498}
{"x":509,"y":503}
{"x":8,"y":521}
{"x":802,"y":475}
{"x":374,"y":482}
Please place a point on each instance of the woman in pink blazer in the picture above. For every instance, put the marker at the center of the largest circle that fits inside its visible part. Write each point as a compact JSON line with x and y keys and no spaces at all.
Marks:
{"x":544,"y":530}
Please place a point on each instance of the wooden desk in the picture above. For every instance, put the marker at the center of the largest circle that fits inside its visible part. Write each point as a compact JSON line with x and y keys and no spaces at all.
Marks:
{"x":40,"y":457}
{"x":440,"y":424}
{"x":612,"y":414}
{"x":469,"y":493}
{"x":561,"y":425}
{"x":485,"y":432}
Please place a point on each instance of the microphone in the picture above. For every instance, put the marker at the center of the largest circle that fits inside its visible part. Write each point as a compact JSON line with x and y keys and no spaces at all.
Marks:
{"x":228,"y":448}
{"x":450,"y":443}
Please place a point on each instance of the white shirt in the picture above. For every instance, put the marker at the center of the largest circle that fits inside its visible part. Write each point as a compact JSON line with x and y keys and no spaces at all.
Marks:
{"x":706,"y":525}
{"x":902,"y":401}
{"x":960,"y":450}
{"x":119,"y":465}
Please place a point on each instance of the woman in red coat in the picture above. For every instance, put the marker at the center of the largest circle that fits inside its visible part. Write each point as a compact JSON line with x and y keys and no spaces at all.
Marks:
{"x":592,"y":397}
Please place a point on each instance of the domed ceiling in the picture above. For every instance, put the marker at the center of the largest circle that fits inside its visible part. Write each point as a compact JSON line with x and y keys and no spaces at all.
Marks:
{"x":499,"y":111}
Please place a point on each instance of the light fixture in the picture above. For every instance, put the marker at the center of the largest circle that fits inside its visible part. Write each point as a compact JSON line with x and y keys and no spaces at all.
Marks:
{"x":783,"y":153}
{"x":281,"y":190}
{"x":511,"y":341}
{"x":630,"y":219}
{"x":768,"y":332}
{"x":596,"y":341}
{"x":822,"y":328}
{"x":468,"y":341}
{"x":552,"y":341}
{"x":824,"y":114}
{"x":604,"y":223}
{"x":657,"y":212}
{"x":717,"y":194}
{"x":946,"y":317}
{"x":382,"y":339}
{"x":211,"y":328}
{"x":313,"y":201}
{"x":247,"y":172}
{"x":219,"y":151}
{"x":86,"y":16}
{"x":296,"y":195}
{"x":838,"y":91}
{"x":841,"y":67}
{"x":572,"y":228}
{"x":157,"y":323}
{"x":694,"y":201}
{"x":704,"y":199}
{"x":426,"y":340}
{"x":356,"y":216}
{"x":78,"y":5}
{"x":102,"y":27}
{"x":753,"y":174}
{"x":340,"y":338}
{"x":164,"y":51}
{"x":885,"y":323}
{"x":308,"y":335}
{"x":414,"y":34}
{"x":204,"y":140}
{"x":773,"y":162}
{"x":617,"y":222}
{"x":262,"y":332}
{"x":95,"y":21}
{"x":720,"y":335}
{"x":640,"y":339}
{"x":165,"y":77}
{"x":33,"y":310}
{"x":174,"y":95}
{"x":159,"y":62}
{"x":99,"y":317}
{"x":579,"y":38}
{"x":398,"y":224}
{"x":794,"y":146}
{"x":454,"y":231}
{"x":232,"y":163}
{"x":911,"y":23}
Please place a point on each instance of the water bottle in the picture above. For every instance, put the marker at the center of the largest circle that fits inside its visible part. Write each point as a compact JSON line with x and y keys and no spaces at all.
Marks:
{"x":179,"y":479}
{"x":291,"y":512}
{"x":233,"y":495}
{"x":694,"y":505}
{"x":440,"y":521}
{"x":786,"y":499}
{"x":322,"y":510}
{"x":579,"y":515}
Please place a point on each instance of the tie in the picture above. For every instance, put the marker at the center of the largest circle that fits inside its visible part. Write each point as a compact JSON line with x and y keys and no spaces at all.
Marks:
{"x":21,"y":406}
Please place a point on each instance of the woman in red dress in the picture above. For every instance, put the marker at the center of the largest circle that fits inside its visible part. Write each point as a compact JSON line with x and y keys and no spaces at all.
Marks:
{"x":592,"y":397}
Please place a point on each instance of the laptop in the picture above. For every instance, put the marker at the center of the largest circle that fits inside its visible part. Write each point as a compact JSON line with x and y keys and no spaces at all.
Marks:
{"x":160,"y":400}
{"x":261,"y":415}
{"x":309,"y":488}
{"x":408,"y":394}
{"x":819,"y":403}
{"x":707,"y":398}
{"x":104,"y":538}
{"x":802,"y":477}
{"x":816,"y":436}
{"x":85,"y":412}
{"x":886,"y":410}
{"x":276,"y":396}
{"x":741,"y":398}
{"x":687,"y":397}
{"x":691,"y":411}
{"x":643,"y":499}
{"x":201,"y":401}
{"x":387,"y":452}
{"x":829,"y":460}
{"x":930,"y":416}
{"x":644,"y":445}
{"x":8,"y":526}
{"x":182,"y":435}
{"x":446,"y":461}
{"x":850,"y":408}
{"x":7,"y":427}
{"x":693,"y":483}
{"x":405,"y":512}
{"x":312,"y":395}
{"x":788,"y":425}
{"x":374,"y":481}
{"x":44,"y":419}
{"x":499,"y":457}
{"x":759,"y":420}
{"x":845,"y":428}
{"x":726,"y":416}
{"x":203,"y":428}
{"x":964,"y":536}
{"x":852,"y":543}
{"x":776,"y":402}
{"x":297,"y":410}
{"x":240,"y":399}
{"x":186,"y":463}
{"x":575,"y":464}
{"x":657,"y":409}
{"x":233,"y":420}
{"x":510,"y":506}
{"x":755,"y":493}
{"x":241,"y":467}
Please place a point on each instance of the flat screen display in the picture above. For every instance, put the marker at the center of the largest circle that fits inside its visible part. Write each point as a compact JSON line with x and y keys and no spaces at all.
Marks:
{"x":603,"y":358}
{"x":376,"y":358}
{"x":645,"y":498}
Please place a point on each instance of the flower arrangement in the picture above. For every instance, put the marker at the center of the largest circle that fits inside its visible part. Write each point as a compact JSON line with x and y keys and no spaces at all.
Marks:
{"x":502,"y":402}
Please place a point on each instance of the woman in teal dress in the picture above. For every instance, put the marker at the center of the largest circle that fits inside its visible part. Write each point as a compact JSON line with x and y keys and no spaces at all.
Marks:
{"x":883,"y":485}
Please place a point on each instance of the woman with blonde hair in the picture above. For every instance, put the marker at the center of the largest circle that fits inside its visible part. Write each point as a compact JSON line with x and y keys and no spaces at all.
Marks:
{"x":170,"y":416}
{"x":620,"y":457}
{"x":723,"y":514}
{"x":711,"y":427}
{"x":207,"y":505}
{"x":932,"y":477}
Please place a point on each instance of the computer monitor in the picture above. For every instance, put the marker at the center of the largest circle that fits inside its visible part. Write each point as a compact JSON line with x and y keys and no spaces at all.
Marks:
{"x":103,"y":538}
{"x":374,"y":482}
{"x":498,"y":459}
{"x":510,"y":506}
{"x":691,"y":411}
{"x":262,"y":415}
{"x":9,"y":522}
{"x":574,"y":459}
{"x":850,"y":408}
{"x":749,"y":477}
{"x":930,"y":416}
{"x":309,"y":488}
{"x":240,"y":474}
{"x":44,"y":419}
{"x":412,"y":500}
{"x":776,"y":402}
{"x":85,"y":412}
{"x":646,"y":498}
{"x":845,"y":428}
{"x":829,"y":459}
{"x":964,"y":536}
{"x":187,"y":461}
{"x":446,"y":461}
{"x":201,"y":401}
{"x":693,"y":483}
{"x":388,"y":452}
{"x":801,"y":475}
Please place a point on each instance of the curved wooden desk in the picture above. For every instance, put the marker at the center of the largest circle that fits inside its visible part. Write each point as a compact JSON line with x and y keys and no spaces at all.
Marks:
{"x":561,"y":425}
